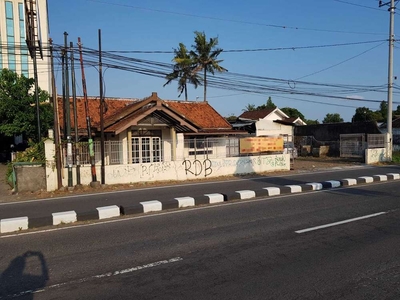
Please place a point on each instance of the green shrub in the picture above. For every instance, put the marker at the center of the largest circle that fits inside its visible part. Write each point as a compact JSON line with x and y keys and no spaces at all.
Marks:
{"x":396,"y":157}
{"x":34,"y":153}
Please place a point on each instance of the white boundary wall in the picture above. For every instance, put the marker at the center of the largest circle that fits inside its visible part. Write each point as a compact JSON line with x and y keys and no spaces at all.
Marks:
{"x":376,"y":155}
{"x":170,"y":170}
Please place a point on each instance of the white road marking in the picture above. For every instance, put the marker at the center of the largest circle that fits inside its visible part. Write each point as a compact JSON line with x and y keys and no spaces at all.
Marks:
{"x":115,"y":273}
{"x":340,"y":222}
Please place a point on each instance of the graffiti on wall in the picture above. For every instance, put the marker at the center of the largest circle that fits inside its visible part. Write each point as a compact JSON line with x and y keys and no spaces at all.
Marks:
{"x":242,"y":165}
{"x":197,"y":167}
{"x":182,"y":170}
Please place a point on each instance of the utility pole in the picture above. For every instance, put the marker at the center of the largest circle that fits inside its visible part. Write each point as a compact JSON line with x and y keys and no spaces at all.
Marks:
{"x":94,"y":182}
{"x":56,"y":123}
{"x":389,"y":147}
{"x":68,"y":114}
{"x":77,"y":158}
{"x":103,"y":177}
{"x":34,"y":47}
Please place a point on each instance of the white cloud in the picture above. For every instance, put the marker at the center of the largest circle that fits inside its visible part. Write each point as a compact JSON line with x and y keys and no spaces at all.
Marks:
{"x":355,"y":97}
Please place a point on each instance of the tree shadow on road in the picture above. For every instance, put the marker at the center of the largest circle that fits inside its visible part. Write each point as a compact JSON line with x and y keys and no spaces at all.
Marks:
{"x":20,"y":280}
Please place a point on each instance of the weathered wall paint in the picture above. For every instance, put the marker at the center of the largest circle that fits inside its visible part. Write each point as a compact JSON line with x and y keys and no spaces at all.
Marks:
{"x":373,"y":156}
{"x":172,"y":170}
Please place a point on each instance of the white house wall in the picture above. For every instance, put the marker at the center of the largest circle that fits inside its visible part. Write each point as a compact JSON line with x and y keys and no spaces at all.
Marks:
{"x":170,"y":170}
{"x":123,"y":138}
{"x":268,"y":127}
{"x":167,"y":144}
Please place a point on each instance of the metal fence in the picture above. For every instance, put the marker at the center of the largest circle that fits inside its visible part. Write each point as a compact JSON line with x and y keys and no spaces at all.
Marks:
{"x":151,"y":149}
{"x":376,"y":141}
{"x":306,"y":144}
{"x":352,"y":145}
{"x":203,"y":148}
{"x":80,"y":153}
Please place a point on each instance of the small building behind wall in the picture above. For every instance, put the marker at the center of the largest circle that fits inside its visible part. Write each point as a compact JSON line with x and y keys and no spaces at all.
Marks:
{"x":267,"y":122}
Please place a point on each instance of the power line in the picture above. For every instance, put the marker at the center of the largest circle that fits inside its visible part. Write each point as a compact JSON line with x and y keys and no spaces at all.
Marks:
{"x":342,"y":62}
{"x":359,"y":5}
{"x":232,"y":20}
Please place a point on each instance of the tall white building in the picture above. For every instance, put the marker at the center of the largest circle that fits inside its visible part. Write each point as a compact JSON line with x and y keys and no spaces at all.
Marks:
{"x":14,"y":54}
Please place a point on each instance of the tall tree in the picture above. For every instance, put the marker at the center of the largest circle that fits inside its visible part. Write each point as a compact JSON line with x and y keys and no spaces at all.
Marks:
{"x":292,"y":112}
{"x":250,"y":107}
{"x":18,"y":106}
{"x":183,"y":71}
{"x":270,"y":104}
{"x":364,"y":114}
{"x":204,"y":55}
{"x":311,"y":122}
{"x":332,"y":118}
{"x":383,"y":109}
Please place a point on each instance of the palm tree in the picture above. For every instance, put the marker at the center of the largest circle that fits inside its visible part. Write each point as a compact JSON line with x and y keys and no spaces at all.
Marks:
{"x":204,"y":55}
{"x":183,"y":71}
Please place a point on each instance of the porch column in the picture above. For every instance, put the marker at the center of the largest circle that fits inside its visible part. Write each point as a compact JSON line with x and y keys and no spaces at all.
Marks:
{"x":173,"y":143}
{"x":129,"y":134}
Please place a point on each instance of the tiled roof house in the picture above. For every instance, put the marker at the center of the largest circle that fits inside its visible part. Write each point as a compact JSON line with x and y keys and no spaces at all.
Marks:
{"x":144,"y":125}
{"x":190,"y":118}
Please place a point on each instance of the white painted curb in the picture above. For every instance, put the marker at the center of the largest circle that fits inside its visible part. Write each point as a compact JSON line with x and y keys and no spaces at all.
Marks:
{"x":395,"y":175}
{"x":368,"y":179}
{"x":316,"y":186}
{"x":64,"y":217}
{"x":273,"y":191}
{"x":215,"y":198}
{"x":381,"y":177}
{"x":13,"y":224}
{"x":294,"y":188}
{"x":246,"y":194}
{"x":106,"y":212}
{"x":153,"y":205}
{"x":185,"y":201}
{"x":334,"y":183}
{"x":350,"y":181}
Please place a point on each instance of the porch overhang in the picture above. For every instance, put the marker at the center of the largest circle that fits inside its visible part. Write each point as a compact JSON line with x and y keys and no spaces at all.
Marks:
{"x":160,"y":114}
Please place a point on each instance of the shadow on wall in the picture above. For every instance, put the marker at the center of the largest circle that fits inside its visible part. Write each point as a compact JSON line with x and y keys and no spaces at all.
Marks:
{"x":20,"y":280}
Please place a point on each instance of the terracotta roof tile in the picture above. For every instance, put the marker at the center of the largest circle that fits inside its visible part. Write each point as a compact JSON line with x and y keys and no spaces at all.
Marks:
{"x":113,"y":105}
{"x":119,"y":111}
{"x":201,"y":113}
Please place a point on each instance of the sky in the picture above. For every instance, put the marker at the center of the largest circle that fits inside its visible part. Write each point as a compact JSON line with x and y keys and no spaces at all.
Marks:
{"x":319,"y":57}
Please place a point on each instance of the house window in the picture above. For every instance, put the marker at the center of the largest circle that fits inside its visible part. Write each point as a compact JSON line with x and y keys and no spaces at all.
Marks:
{"x":10,"y":36}
{"x":146,"y":150}
{"x":232,"y":147}
{"x":200,"y":146}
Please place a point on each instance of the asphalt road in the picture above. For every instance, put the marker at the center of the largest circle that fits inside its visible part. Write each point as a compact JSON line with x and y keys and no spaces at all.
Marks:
{"x":251,"y":249}
{"x":84,"y":203}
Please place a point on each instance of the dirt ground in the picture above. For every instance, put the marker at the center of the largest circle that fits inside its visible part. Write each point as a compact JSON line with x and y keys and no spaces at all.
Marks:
{"x":300,"y":165}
